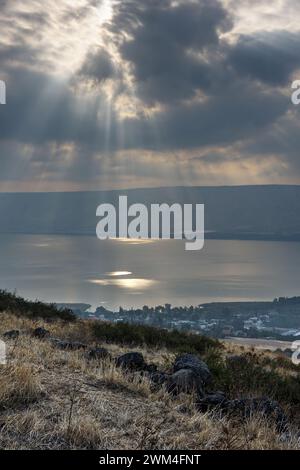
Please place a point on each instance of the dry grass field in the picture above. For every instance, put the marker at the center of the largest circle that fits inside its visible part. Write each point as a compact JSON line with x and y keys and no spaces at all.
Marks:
{"x":58,"y":399}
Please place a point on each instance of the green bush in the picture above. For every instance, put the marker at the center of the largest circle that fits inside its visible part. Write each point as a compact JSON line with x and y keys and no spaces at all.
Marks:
{"x":140,"y":335}
{"x":19,"y":306}
{"x":256,"y":379}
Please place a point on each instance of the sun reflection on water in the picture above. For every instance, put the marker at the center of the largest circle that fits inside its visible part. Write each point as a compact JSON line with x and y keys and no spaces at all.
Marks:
{"x":130,"y":283}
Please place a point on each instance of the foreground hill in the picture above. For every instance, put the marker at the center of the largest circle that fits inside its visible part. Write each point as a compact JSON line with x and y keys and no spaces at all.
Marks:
{"x":250,"y":212}
{"x":67,"y":384}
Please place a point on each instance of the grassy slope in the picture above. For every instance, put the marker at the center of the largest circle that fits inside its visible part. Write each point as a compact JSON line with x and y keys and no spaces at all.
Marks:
{"x":53,"y":399}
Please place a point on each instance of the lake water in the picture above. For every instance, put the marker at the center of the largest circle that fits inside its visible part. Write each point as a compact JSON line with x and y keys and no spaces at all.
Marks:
{"x":132,"y":273}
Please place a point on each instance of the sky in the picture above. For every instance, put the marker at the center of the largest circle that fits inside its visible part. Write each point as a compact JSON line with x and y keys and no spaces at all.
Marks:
{"x":105,"y":94}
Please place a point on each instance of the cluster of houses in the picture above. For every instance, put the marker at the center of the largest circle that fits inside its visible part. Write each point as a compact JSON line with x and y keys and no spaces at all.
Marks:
{"x":204,"y":319}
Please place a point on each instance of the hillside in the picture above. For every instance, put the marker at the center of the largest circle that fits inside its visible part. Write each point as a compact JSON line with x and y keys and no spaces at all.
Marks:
{"x":250,"y":212}
{"x":68,"y":385}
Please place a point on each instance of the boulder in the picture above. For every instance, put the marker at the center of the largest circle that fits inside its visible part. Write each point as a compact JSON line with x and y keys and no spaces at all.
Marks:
{"x":132,"y":361}
{"x":12,"y":334}
{"x":213,"y":400}
{"x":40,"y":333}
{"x":98,"y":353}
{"x":184,"y":381}
{"x":193,"y":363}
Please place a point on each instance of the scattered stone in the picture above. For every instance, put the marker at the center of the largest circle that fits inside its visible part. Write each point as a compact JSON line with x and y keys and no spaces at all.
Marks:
{"x":69,"y":345}
{"x":245,"y":407}
{"x":12,"y":334}
{"x":193,"y":363}
{"x":151,"y":368}
{"x":158,"y":378}
{"x":75,"y":345}
{"x":98,"y":353}
{"x":268,"y":408}
{"x":212,"y":400}
{"x":186,"y":381}
{"x":131,"y":361}
{"x":41,"y":333}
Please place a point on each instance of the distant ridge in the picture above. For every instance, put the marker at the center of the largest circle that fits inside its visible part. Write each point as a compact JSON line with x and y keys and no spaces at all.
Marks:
{"x":266,"y":212}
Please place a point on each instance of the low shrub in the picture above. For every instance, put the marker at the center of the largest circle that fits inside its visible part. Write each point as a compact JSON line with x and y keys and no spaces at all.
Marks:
{"x":256,"y":379}
{"x":19,"y":306}
{"x":141,"y":335}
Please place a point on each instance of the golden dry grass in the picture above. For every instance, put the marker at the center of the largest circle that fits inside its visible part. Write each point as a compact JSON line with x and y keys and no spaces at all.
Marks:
{"x":54,"y":399}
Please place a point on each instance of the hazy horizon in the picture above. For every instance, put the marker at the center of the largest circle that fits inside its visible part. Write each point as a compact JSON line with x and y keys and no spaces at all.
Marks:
{"x":146,"y":188}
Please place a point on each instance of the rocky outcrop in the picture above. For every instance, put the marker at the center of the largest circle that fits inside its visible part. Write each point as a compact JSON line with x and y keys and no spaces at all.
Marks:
{"x":184,"y":381}
{"x":193,"y":363}
{"x":132,"y":361}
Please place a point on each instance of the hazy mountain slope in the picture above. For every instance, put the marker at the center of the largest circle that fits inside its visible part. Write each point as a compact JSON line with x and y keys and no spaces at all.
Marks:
{"x":269,"y":212}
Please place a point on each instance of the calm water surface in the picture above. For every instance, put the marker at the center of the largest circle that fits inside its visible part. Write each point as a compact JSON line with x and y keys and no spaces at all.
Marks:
{"x":129,"y":273}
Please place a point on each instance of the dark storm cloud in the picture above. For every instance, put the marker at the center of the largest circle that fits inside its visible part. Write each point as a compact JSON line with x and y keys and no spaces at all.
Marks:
{"x":282,"y":139}
{"x":98,"y":66}
{"x":43,"y":109}
{"x":241,"y":112}
{"x":165,"y":44}
{"x":209,"y":91}
{"x":270,"y":57}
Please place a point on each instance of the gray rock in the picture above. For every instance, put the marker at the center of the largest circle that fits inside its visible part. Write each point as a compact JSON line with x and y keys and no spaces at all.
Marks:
{"x":213,"y":400}
{"x":184,"y":381}
{"x":191,"y":362}
{"x":40,"y":333}
{"x":68,"y":345}
{"x":158,"y":378}
{"x":268,"y":408}
{"x":12,"y":334}
{"x":245,"y":407}
{"x":151,"y":368}
{"x":98,"y":353}
{"x":132,"y":361}
{"x":75,"y":345}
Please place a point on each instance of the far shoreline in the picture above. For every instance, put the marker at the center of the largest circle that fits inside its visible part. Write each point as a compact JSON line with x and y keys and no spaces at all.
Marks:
{"x":226,"y":236}
{"x":260,"y":343}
